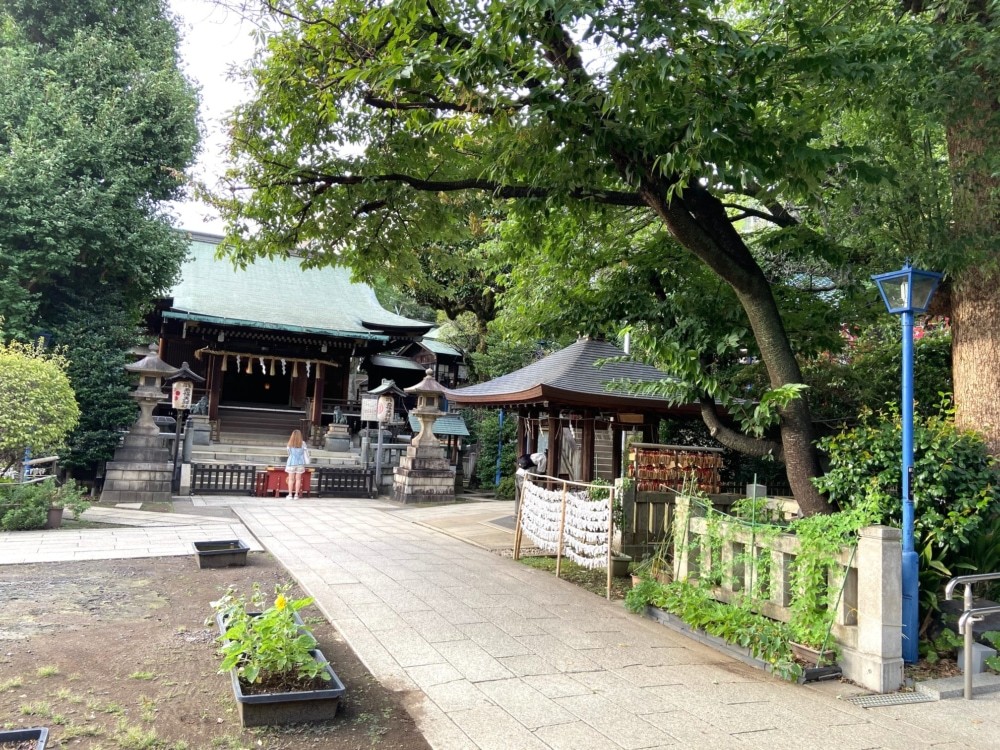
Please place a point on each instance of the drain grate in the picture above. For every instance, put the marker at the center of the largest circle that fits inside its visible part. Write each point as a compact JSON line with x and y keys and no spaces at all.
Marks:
{"x":889,"y":699}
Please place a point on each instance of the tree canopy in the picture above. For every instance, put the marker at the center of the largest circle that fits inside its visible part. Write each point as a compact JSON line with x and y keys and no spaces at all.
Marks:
{"x":97,"y":125}
{"x":634,"y":147}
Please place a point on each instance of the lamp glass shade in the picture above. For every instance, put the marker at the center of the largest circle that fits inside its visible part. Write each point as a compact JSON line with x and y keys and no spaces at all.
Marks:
{"x":907,"y":290}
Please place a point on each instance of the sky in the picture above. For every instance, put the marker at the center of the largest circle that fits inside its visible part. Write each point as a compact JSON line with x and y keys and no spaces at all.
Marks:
{"x":212,"y":41}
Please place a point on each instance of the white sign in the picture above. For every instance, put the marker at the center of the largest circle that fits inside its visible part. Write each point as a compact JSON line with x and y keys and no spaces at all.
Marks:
{"x":180,"y":394}
{"x":369,"y":409}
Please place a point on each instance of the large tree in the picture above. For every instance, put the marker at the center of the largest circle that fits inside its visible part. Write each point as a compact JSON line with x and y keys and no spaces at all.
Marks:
{"x":97,"y":125}
{"x":374,"y":123}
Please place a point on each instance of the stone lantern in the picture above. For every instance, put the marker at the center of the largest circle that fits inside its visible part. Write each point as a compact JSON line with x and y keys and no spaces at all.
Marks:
{"x":151,"y":370}
{"x":424,"y":474}
{"x":141,"y":470}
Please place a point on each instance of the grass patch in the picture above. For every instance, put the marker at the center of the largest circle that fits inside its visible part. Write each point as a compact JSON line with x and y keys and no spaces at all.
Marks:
{"x":40,"y":709}
{"x":13,"y":682}
{"x":71,"y":731}
{"x":147,"y":707}
{"x":142,"y":676}
{"x":48,"y":671}
{"x":65,"y":694}
{"x":594,"y":580}
{"x":136,"y":738}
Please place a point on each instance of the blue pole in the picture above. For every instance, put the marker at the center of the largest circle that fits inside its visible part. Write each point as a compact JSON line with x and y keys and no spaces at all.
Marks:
{"x":911,"y":580}
{"x":499,"y":448}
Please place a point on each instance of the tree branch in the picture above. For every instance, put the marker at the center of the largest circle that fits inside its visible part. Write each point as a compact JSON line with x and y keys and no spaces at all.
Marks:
{"x":733,"y":439}
{"x":323,"y":182}
{"x":784,"y":219}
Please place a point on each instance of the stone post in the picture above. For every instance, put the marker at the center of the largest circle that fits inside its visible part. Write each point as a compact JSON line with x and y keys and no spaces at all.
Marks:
{"x":877,"y":662}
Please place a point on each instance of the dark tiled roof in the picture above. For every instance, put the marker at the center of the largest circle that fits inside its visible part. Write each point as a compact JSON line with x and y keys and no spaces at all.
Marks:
{"x":571,"y":377}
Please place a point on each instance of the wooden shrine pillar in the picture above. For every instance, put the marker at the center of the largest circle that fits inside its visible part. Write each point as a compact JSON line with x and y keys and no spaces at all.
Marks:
{"x":316,"y":417}
{"x":587,"y":449}
{"x":555,"y":441}
{"x":215,"y":385}
{"x":534,"y":428}
{"x":617,"y":434}
{"x":522,"y":438}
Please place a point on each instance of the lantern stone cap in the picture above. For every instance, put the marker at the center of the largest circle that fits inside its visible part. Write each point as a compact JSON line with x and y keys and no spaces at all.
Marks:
{"x":151,"y":364}
{"x":184,"y":372}
{"x":427,"y":385}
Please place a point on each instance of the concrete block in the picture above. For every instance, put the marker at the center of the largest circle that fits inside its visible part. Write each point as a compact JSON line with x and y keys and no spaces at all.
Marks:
{"x":980,"y":653}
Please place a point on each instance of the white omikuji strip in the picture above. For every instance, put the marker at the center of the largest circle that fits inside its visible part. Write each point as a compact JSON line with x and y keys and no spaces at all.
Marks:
{"x":585,"y":533}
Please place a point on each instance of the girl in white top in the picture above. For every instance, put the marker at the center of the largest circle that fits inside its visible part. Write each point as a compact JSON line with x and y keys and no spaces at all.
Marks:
{"x":295,"y":466}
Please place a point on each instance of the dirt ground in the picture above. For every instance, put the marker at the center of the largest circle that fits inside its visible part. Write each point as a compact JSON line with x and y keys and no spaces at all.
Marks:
{"x":116,"y":655}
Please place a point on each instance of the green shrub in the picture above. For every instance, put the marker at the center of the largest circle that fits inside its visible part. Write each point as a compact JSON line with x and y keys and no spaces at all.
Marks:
{"x":484,"y":428}
{"x":954,"y":486}
{"x":27,"y":505}
{"x":506,"y":489}
{"x":954,"y":476}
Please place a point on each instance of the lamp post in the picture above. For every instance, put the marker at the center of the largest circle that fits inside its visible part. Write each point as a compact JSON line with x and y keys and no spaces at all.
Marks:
{"x":181,"y":398}
{"x":905,"y":292}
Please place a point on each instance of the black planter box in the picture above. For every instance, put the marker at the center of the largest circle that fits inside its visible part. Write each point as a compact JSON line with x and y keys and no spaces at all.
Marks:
{"x":293,"y":707}
{"x":40,"y":735}
{"x":225,"y":554}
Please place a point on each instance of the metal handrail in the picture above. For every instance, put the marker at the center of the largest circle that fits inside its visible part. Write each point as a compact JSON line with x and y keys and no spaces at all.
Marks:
{"x":969,"y":616}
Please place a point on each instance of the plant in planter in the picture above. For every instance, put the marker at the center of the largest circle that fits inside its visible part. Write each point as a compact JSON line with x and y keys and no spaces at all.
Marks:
{"x":279,"y":676}
{"x":39,"y":505}
{"x":814,"y":603}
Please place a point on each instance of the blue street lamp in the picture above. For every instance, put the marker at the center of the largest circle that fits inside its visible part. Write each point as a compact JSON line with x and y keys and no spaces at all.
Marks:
{"x":906,"y":292}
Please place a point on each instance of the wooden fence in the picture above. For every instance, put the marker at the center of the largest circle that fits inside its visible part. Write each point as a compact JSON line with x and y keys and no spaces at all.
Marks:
{"x":223,"y":479}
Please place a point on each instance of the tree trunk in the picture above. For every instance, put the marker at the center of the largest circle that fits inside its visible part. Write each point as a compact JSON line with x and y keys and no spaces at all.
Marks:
{"x":700,"y":224}
{"x":973,"y":142}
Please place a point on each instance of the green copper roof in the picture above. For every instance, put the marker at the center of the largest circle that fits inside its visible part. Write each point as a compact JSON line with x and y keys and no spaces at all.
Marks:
{"x":280,"y":294}
{"x":446,"y":424}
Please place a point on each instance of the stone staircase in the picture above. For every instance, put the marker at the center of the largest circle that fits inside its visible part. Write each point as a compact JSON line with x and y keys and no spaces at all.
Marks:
{"x":261,"y":455}
{"x":255,"y":426}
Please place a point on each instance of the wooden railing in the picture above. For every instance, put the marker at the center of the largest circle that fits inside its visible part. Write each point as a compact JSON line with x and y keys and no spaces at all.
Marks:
{"x":223,"y":479}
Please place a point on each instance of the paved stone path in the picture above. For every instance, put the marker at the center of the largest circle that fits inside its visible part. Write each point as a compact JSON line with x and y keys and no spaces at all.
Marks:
{"x":492,"y":655}
{"x":498,"y":656}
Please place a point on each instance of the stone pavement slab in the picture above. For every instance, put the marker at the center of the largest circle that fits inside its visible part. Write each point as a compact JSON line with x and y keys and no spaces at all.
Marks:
{"x":493,"y":654}
{"x":160,"y":535}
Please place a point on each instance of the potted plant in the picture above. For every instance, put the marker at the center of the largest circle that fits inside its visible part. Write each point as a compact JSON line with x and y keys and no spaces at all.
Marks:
{"x":40,"y":505}
{"x":278,"y":674}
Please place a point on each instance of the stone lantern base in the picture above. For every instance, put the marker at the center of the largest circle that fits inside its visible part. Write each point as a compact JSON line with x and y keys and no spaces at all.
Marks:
{"x":424,"y":475}
{"x":141,"y":471}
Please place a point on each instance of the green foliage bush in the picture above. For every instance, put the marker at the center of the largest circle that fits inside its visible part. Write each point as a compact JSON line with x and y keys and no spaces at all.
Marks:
{"x":954,"y":488}
{"x":766,"y":639}
{"x":484,"y":428}
{"x":954,"y":476}
{"x":37,"y":404}
{"x":26,"y":506}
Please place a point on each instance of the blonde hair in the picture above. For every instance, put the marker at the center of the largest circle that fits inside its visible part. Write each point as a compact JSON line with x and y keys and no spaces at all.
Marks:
{"x":295,"y":441}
